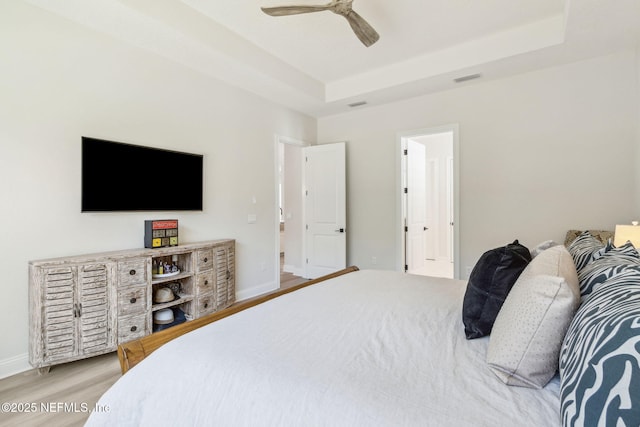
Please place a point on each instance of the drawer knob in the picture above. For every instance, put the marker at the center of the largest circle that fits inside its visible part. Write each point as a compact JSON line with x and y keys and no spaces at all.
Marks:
{"x":133,"y":300}
{"x":205,"y":259}
{"x":134,"y":328}
{"x":132,"y":272}
{"x":206,"y":282}
{"x":206,"y":304}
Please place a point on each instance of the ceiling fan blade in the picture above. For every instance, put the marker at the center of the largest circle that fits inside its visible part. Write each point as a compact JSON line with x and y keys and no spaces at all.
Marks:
{"x":363,"y":30}
{"x":293,"y":10}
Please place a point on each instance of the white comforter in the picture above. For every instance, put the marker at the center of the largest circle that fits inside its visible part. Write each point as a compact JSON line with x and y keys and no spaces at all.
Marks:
{"x":371,"y":348}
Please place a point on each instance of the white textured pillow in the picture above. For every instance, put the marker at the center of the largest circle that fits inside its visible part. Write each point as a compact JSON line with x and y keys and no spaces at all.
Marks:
{"x":528,"y":332}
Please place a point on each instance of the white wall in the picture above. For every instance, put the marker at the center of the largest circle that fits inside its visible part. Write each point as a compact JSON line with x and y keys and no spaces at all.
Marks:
{"x":637,"y":168}
{"x":540,"y":153}
{"x":59,"y":81}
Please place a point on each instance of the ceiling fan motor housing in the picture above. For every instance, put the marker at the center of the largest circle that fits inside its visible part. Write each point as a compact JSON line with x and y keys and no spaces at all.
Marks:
{"x":342,"y":7}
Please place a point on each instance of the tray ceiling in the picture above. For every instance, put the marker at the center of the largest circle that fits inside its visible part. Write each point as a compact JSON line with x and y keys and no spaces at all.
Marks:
{"x":315,"y":64}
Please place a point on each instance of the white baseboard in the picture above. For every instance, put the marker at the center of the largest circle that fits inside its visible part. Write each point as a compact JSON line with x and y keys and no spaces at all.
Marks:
{"x":255,"y":291}
{"x":14,"y":365}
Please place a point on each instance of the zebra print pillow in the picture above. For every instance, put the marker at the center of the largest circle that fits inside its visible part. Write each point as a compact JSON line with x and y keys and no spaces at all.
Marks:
{"x":626,"y":252}
{"x":600,"y":356}
{"x":584,"y":249}
{"x":610,"y":263}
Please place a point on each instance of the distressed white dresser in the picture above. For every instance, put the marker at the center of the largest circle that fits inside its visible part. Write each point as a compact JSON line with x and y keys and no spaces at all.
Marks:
{"x":86,"y":305}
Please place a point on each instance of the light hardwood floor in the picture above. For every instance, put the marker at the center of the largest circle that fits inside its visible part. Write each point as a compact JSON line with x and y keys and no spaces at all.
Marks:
{"x":288,"y":279}
{"x":64,"y":396}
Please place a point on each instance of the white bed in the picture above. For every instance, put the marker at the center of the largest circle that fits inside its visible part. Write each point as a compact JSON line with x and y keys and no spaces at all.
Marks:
{"x":370,"y":348}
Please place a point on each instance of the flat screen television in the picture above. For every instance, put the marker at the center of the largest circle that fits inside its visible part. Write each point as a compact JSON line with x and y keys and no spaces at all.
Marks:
{"x":124,"y":177}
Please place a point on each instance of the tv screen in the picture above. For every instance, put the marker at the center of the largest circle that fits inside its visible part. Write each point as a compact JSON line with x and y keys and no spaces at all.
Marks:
{"x":125,"y":177}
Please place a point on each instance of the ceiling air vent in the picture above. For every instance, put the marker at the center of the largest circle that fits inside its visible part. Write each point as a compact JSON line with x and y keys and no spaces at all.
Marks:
{"x":466,"y":78}
{"x":357,"y":104}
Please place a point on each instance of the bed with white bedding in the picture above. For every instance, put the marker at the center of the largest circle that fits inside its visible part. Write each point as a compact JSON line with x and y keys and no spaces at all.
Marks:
{"x":369,"y":348}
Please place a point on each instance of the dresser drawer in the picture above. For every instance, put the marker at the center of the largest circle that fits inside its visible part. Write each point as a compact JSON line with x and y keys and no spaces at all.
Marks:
{"x":204,"y":260}
{"x":132,"y":272}
{"x":132,"y":301}
{"x":205,"y":304}
{"x":132,"y":327}
{"x":205,"y":282}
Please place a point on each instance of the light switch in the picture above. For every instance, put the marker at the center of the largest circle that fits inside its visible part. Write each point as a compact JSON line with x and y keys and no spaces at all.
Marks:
{"x":252,"y":218}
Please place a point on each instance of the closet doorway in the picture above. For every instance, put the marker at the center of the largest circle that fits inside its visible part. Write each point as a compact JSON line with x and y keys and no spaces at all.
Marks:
{"x":429,"y":201}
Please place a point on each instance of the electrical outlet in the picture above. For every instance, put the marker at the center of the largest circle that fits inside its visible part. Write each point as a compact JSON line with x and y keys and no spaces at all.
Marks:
{"x":374,"y":260}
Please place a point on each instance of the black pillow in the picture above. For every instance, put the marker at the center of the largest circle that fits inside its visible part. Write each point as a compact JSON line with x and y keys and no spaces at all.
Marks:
{"x":489,"y":284}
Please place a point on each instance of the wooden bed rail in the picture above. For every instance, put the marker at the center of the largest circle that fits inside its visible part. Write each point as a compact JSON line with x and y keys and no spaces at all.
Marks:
{"x":133,"y":352}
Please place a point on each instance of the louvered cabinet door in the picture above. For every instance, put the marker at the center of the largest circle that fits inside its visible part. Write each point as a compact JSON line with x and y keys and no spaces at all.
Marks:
{"x":71,"y":317}
{"x":58,"y":325}
{"x":225,"y":275}
{"x":231,"y":267}
{"x":96,"y":331}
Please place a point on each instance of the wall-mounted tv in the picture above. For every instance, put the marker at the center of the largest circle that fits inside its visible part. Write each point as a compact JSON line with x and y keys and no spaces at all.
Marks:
{"x":124,"y":177}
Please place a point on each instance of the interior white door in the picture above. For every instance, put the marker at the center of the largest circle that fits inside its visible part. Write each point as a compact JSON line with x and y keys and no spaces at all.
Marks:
{"x":325,"y":209}
{"x":416,"y":205}
{"x":431,"y":209}
{"x":450,"y":208}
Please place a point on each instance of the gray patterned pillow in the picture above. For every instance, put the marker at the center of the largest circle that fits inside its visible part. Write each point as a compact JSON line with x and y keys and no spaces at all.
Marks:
{"x":600,"y":356}
{"x":541,"y":247}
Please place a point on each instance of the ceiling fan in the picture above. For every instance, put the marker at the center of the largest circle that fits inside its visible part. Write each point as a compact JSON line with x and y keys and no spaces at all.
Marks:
{"x":363,"y":30}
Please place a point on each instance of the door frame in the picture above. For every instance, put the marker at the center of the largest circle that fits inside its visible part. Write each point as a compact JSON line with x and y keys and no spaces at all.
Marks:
{"x":401,"y":199}
{"x":280,"y":139}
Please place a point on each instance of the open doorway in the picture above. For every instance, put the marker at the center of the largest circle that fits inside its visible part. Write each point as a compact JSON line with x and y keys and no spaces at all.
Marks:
{"x":429,"y":201}
{"x":289,"y":227}
{"x":311,"y":210}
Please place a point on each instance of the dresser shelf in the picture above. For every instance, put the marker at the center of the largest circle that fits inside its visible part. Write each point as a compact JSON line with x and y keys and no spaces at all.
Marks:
{"x":169,"y":279}
{"x":181,"y":300}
